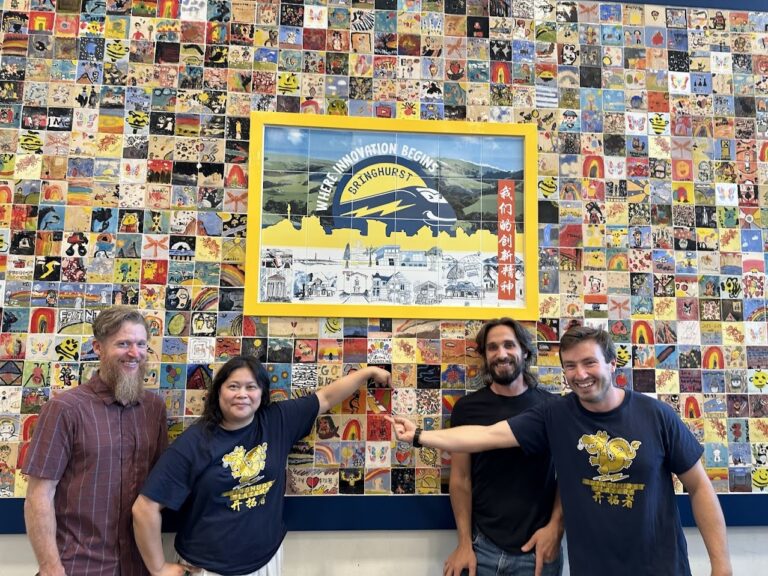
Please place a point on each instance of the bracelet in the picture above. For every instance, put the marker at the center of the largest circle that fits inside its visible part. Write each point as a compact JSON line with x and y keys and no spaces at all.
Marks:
{"x":416,"y":437}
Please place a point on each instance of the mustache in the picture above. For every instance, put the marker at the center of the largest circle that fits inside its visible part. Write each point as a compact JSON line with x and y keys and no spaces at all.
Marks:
{"x":508,"y":362}
{"x":492,"y":375}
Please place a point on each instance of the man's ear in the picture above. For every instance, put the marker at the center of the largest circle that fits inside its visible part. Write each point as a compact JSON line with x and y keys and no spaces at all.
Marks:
{"x":97,"y":348}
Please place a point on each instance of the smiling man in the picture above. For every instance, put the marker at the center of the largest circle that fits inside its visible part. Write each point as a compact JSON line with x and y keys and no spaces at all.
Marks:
{"x":614,"y":453}
{"x":90,"y":454}
{"x":508,"y":519}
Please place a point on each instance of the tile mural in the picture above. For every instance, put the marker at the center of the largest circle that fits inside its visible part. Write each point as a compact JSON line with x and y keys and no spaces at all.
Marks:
{"x":124,"y":129}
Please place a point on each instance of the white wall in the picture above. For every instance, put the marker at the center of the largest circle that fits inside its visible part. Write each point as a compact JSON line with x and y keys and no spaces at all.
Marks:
{"x":407,"y":553}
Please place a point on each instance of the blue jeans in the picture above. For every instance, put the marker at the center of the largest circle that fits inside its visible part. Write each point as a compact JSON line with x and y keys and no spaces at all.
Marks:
{"x":493,"y":561}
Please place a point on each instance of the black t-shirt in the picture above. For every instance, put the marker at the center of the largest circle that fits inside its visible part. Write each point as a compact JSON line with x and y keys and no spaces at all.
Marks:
{"x":512,"y":493}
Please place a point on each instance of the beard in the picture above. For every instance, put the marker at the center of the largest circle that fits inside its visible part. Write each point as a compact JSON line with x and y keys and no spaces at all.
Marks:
{"x":506,"y":377}
{"x":127,"y":388}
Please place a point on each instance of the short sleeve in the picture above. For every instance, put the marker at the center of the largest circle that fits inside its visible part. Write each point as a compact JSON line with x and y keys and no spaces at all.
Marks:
{"x":51,"y":445}
{"x":299,"y":415}
{"x":530,"y":429}
{"x":458,"y":415}
{"x":683,"y":450}
{"x":171,"y":480}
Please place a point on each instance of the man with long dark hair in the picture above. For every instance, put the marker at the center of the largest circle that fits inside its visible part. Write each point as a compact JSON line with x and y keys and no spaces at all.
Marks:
{"x":503,"y":499}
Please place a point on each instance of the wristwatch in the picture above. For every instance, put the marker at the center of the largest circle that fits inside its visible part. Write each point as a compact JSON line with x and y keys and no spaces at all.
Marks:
{"x":416,"y":436}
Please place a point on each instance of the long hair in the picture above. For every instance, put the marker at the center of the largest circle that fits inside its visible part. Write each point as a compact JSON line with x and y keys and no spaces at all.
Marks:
{"x":212,"y":415}
{"x":578,"y":334}
{"x":523,"y":338}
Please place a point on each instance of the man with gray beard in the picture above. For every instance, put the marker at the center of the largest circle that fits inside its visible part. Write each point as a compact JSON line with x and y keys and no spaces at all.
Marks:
{"x":90,"y":454}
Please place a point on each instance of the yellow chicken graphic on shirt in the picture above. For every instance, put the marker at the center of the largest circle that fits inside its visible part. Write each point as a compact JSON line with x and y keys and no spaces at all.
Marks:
{"x":246,"y":466}
{"x":609,"y":456}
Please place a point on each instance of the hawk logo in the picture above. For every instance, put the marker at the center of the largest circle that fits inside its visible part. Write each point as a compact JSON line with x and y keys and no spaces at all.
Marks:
{"x":395,"y":191}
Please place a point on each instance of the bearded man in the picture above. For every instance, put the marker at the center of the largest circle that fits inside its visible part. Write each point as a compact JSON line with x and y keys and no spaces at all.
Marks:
{"x":508,"y":514}
{"x":92,"y":449}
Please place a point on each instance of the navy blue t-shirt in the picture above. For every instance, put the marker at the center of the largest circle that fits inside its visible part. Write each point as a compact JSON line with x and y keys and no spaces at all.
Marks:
{"x":229,"y":487}
{"x":614,"y":472}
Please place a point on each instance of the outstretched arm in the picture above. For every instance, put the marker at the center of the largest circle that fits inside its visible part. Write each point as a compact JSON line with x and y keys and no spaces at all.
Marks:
{"x":40,"y":519}
{"x":709,"y":518}
{"x":147,"y":524}
{"x":459,"y":439}
{"x":346,"y":386}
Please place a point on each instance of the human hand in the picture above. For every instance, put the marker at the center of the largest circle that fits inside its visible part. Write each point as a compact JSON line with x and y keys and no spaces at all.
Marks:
{"x":173,"y":569}
{"x":380,"y":376}
{"x":463,"y":558}
{"x":546,"y":543}
{"x":404,"y":428}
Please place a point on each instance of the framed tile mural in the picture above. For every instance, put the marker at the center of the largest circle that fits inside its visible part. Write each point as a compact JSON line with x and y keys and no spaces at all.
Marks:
{"x":418,"y":219}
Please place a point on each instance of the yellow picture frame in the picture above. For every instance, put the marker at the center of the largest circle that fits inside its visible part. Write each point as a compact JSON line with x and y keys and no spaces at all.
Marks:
{"x":423,"y":201}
